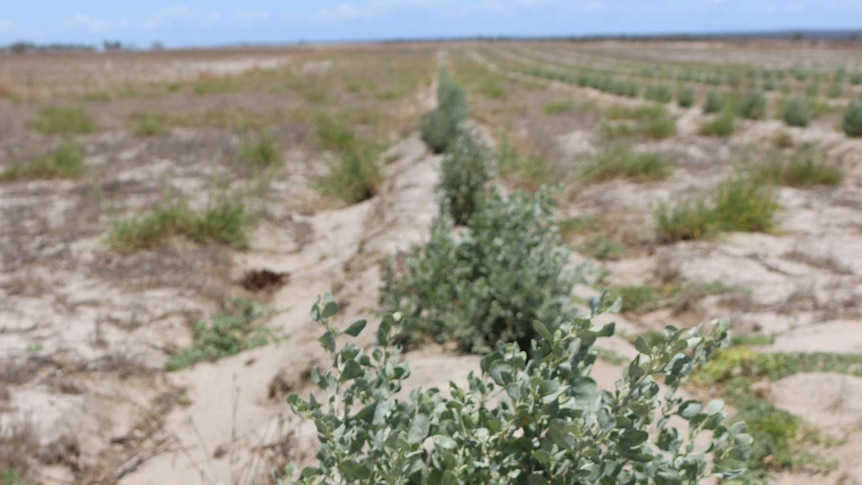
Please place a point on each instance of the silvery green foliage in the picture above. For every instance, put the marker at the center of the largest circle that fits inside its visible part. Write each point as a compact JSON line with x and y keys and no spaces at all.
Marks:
{"x":441,"y":126}
{"x":521,"y":421}
{"x":797,"y":111}
{"x":466,"y":170}
{"x":852,"y":122}
{"x":506,"y":270}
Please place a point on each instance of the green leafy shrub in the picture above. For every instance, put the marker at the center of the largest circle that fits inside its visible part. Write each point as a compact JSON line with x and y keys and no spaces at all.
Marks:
{"x":714,"y":102}
{"x":739,"y":203}
{"x":753,"y":106}
{"x":224,"y":222}
{"x":224,"y":335}
{"x":259,"y":151}
{"x":723,"y":125}
{"x":524,"y":421}
{"x":621,"y":162}
{"x":506,"y":270}
{"x":65,"y":162}
{"x":797,"y":111}
{"x":440,"y":127}
{"x":685,"y":97}
{"x":356,"y":175}
{"x":55,"y":120}
{"x":852,"y":123}
{"x":804,"y":169}
{"x":466,"y":170}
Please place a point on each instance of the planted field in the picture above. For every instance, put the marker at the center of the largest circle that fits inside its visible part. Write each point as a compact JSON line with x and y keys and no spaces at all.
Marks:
{"x":168,"y":223}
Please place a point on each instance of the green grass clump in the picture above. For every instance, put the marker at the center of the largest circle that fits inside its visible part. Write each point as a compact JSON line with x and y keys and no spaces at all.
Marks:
{"x":603,"y":248}
{"x":65,"y":162}
{"x":658,"y":93}
{"x":260,"y":151}
{"x":224,"y":335}
{"x":148,"y":124}
{"x":714,"y":102}
{"x":644,"y":299}
{"x":738,"y":204}
{"x":752,"y":106}
{"x":524,"y":171}
{"x":650,"y":121}
{"x":223,"y":222}
{"x":492,"y":89}
{"x":356,"y":175}
{"x":804,"y":169}
{"x":54,"y":120}
{"x":723,"y":125}
{"x":215,"y":85}
{"x":835,"y":91}
{"x":558,"y":107}
{"x":797,"y":111}
{"x":852,"y":122}
{"x":96,"y":97}
{"x":621,"y":162}
{"x":685,"y":98}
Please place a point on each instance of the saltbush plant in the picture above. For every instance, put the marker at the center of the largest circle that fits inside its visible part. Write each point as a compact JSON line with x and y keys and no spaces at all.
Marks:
{"x":531,"y":417}
{"x":466,"y":170}
{"x":853,"y":119}
{"x":797,"y":111}
{"x":508,"y":269}
{"x":714,"y":102}
{"x":685,"y":97}
{"x":753,"y":106}
{"x":439,"y":128}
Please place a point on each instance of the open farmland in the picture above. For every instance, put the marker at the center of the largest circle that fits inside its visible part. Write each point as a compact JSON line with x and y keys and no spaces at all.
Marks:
{"x":169,"y":218}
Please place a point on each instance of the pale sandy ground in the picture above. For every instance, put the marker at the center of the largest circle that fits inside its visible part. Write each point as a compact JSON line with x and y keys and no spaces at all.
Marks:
{"x":233,"y":416}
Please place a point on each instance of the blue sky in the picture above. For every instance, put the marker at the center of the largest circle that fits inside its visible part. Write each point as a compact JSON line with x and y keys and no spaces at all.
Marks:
{"x":200,"y":22}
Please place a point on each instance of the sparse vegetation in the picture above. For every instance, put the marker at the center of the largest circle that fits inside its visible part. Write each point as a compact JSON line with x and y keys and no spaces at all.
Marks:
{"x":738,"y":204}
{"x":356,"y":175}
{"x":620,"y":162}
{"x":223,"y":222}
{"x":852,"y":123}
{"x":260,"y":151}
{"x":67,"y":161}
{"x":797,"y":111}
{"x":805,"y":168}
{"x":558,"y":107}
{"x":54,"y":120}
{"x":723,"y":125}
{"x":225,"y":335}
{"x":148,"y":124}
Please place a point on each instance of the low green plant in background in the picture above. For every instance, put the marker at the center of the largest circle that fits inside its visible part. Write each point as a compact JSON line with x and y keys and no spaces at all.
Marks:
{"x":753,"y":106}
{"x":55,"y":120}
{"x":259,"y":150}
{"x":533,"y":416}
{"x":225,"y":335}
{"x":715,"y":102}
{"x":797,"y":111}
{"x":148,"y":124}
{"x":621,"y":162}
{"x":66,"y":162}
{"x":356,"y":175}
{"x":439,"y":128}
{"x":224,"y":221}
{"x":558,"y":107}
{"x":739,"y":203}
{"x":685,"y":98}
{"x":805,"y":168}
{"x":466,"y":169}
{"x":852,"y":122}
{"x":722,"y":126}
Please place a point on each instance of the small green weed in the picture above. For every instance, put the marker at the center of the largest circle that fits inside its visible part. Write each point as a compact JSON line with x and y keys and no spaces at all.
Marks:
{"x":722,"y":126}
{"x":715,"y":102}
{"x":54,"y":120}
{"x":225,"y":335}
{"x":621,"y":162}
{"x":65,"y":162}
{"x":558,"y":107}
{"x":260,"y":151}
{"x":356,"y":175}
{"x":148,"y":124}
{"x":804,"y":169}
